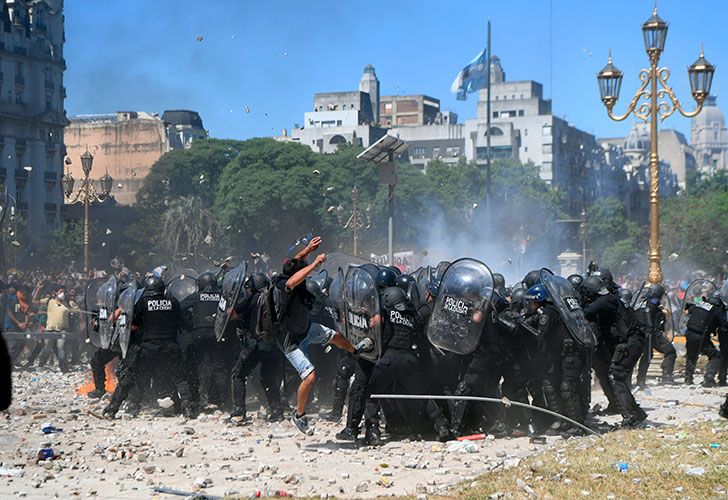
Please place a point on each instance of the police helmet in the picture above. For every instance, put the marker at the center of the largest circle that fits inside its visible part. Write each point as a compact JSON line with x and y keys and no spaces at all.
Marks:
{"x":154,"y":284}
{"x":394,"y":297}
{"x":405,"y":281}
{"x":656,"y":292}
{"x":532,"y":278}
{"x":576,"y":280}
{"x":498,"y":281}
{"x":605,"y":275}
{"x":433,"y":287}
{"x":256,"y":282}
{"x":518,"y":297}
{"x":625,"y":295}
{"x":536,"y":293}
{"x":206,"y":281}
{"x":592,"y":286}
{"x":386,"y":277}
{"x":397,"y":270}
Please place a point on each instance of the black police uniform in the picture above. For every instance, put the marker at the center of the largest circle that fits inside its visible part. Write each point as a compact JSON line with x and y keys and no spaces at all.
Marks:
{"x":564,"y":361}
{"x":651,"y":319}
{"x":255,"y":352}
{"x":399,"y":368}
{"x":704,"y":320}
{"x":199,"y":344}
{"x":153,"y":344}
{"x":620,"y":332}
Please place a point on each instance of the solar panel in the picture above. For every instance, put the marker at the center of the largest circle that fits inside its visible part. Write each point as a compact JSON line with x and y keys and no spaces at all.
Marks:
{"x":379,"y":151}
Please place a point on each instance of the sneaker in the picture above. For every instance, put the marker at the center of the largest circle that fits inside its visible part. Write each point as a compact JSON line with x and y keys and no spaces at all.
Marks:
{"x":302,"y":424}
{"x":348,"y":434}
{"x":96,"y":394}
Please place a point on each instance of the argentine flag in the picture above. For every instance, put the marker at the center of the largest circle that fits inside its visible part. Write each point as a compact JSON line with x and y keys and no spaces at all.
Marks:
{"x":471,"y":78}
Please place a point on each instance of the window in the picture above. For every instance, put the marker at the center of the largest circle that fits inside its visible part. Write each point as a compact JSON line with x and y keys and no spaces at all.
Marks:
{"x":496,"y":98}
{"x":456,"y":150}
{"x":525,"y":131}
{"x":520,"y":112}
{"x":546,"y":149}
{"x":419,"y":151}
{"x":514,"y":96}
{"x":435,"y":152}
{"x":547,"y":129}
{"x":525,"y":149}
{"x":495,"y":152}
{"x":495,"y":114}
{"x":338,"y":123}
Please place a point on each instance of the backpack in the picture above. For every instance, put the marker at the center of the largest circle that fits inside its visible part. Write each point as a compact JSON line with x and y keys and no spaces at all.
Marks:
{"x":268,"y":323}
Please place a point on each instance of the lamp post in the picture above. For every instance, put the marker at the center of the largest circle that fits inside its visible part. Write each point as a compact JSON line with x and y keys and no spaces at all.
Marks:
{"x":658,"y":101}
{"x":355,"y":221}
{"x":87,"y":194}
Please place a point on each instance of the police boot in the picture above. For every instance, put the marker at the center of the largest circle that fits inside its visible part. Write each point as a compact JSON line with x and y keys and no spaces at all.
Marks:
{"x":499,"y":429}
{"x":333,"y":415}
{"x":96,"y":394}
{"x":188,"y":410}
{"x":109,"y":412}
{"x":372,"y":436}
{"x":276,"y":415}
{"x":238,"y":411}
{"x":347,"y":434}
{"x":724,"y":409}
{"x":667,"y":379}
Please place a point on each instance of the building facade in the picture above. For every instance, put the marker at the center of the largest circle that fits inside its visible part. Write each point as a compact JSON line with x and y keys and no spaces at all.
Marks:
{"x":709,"y":138}
{"x":127,"y":143}
{"x":32,"y":115}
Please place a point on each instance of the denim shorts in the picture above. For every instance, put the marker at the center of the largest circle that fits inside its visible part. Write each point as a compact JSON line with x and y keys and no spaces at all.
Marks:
{"x":298,"y":356}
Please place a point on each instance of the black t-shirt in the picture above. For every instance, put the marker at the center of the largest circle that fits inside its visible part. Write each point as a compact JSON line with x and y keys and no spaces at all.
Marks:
{"x":293,"y":307}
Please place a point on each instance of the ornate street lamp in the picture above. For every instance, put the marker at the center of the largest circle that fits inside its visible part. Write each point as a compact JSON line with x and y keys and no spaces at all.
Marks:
{"x":86,"y":194}
{"x":658,"y":101}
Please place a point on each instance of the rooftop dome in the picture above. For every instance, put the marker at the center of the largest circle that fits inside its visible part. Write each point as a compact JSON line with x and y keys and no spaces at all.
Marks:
{"x":710,"y":114}
{"x":183,"y":117}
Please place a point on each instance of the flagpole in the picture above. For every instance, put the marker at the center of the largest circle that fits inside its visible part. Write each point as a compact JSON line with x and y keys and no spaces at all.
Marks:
{"x":487,"y":144}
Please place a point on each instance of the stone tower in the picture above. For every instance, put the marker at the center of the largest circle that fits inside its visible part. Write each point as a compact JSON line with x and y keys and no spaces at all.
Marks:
{"x":370,"y":85}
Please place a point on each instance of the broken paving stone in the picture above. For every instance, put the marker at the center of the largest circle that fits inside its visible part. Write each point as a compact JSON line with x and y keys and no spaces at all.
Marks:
{"x":179,"y":452}
{"x":149,"y":469}
{"x":188,"y":430}
{"x":202,"y":482}
{"x":362,"y":487}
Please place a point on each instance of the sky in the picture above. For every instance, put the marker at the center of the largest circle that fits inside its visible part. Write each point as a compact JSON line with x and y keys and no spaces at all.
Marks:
{"x":272,"y":56}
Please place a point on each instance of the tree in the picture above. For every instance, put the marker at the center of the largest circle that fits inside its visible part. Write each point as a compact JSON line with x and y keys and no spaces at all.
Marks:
{"x":67,"y":244}
{"x":187,"y":172}
{"x":695,"y":227}
{"x":612,"y":238}
{"x":189,"y":231}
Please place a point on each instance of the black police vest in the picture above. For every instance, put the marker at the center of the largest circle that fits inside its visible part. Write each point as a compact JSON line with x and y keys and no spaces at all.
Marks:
{"x":159,"y":318}
{"x":204,"y":310}
{"x":703,"y":318}
{"x":400,"y":328}
{"x":648,"y":316}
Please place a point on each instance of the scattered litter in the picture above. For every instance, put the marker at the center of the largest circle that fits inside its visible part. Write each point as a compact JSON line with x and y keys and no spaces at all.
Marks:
{"x":472,"y":437}
{"x":695,"y":471}
{"x":247,"y":109}
{"x":108,"y":231}
{"x":11,"y":472}
{"x":714,"y":446}
{"x":200,"y":38}
{"x":165,"y":402}
{"x":50,"y":429}
{"x":622,"y":466}
{"x":462,"y":447}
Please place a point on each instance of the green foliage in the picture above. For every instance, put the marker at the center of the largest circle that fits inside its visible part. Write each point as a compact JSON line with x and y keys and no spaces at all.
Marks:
{"x":696,"y":228}
{"x":699,"y":184}
{"x":67,"y":244}
{"x":187,"y":172}
{"x":613,"y":239}
{"x":189,"y":231}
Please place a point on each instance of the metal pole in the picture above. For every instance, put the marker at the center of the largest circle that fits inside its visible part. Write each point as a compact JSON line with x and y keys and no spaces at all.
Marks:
{"x":390,"y":203}
{"x":487,"y":143}
{"x":504,"y":401}
{"x":355,"y":203}
{"x":85,"y":224}
{"x":655,"y":273}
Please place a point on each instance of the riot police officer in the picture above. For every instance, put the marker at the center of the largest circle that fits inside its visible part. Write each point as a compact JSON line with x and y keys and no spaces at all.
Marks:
{"x":651,"y":318}
{"x":399,"y":365}
{"x":255,"y":352}
{"x":199,"y":343}
{"x":704,"y":319}
{"x":156,"y":323}
{"x":621,"y":335}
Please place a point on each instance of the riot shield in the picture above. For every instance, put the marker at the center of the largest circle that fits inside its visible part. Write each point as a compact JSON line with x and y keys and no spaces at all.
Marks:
{"x":460,"y":311}
{"x":232,"y":284}
{"x":106,"y":301}
{"x":336,"y":296}
{"x":566,"y":300}
{"x":640,"y":294}
{"x":423,"y":276}
{"x":319,"y":282}
{"x":694,"y":294}
{"x":440,"y":269}
{"x":122,"y":331}
{"x":724,"y":293}
{"x":90,"y":305}
{"x":182,"y":285}
{"x":361,"y":305}
{"x":670,"y":326}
